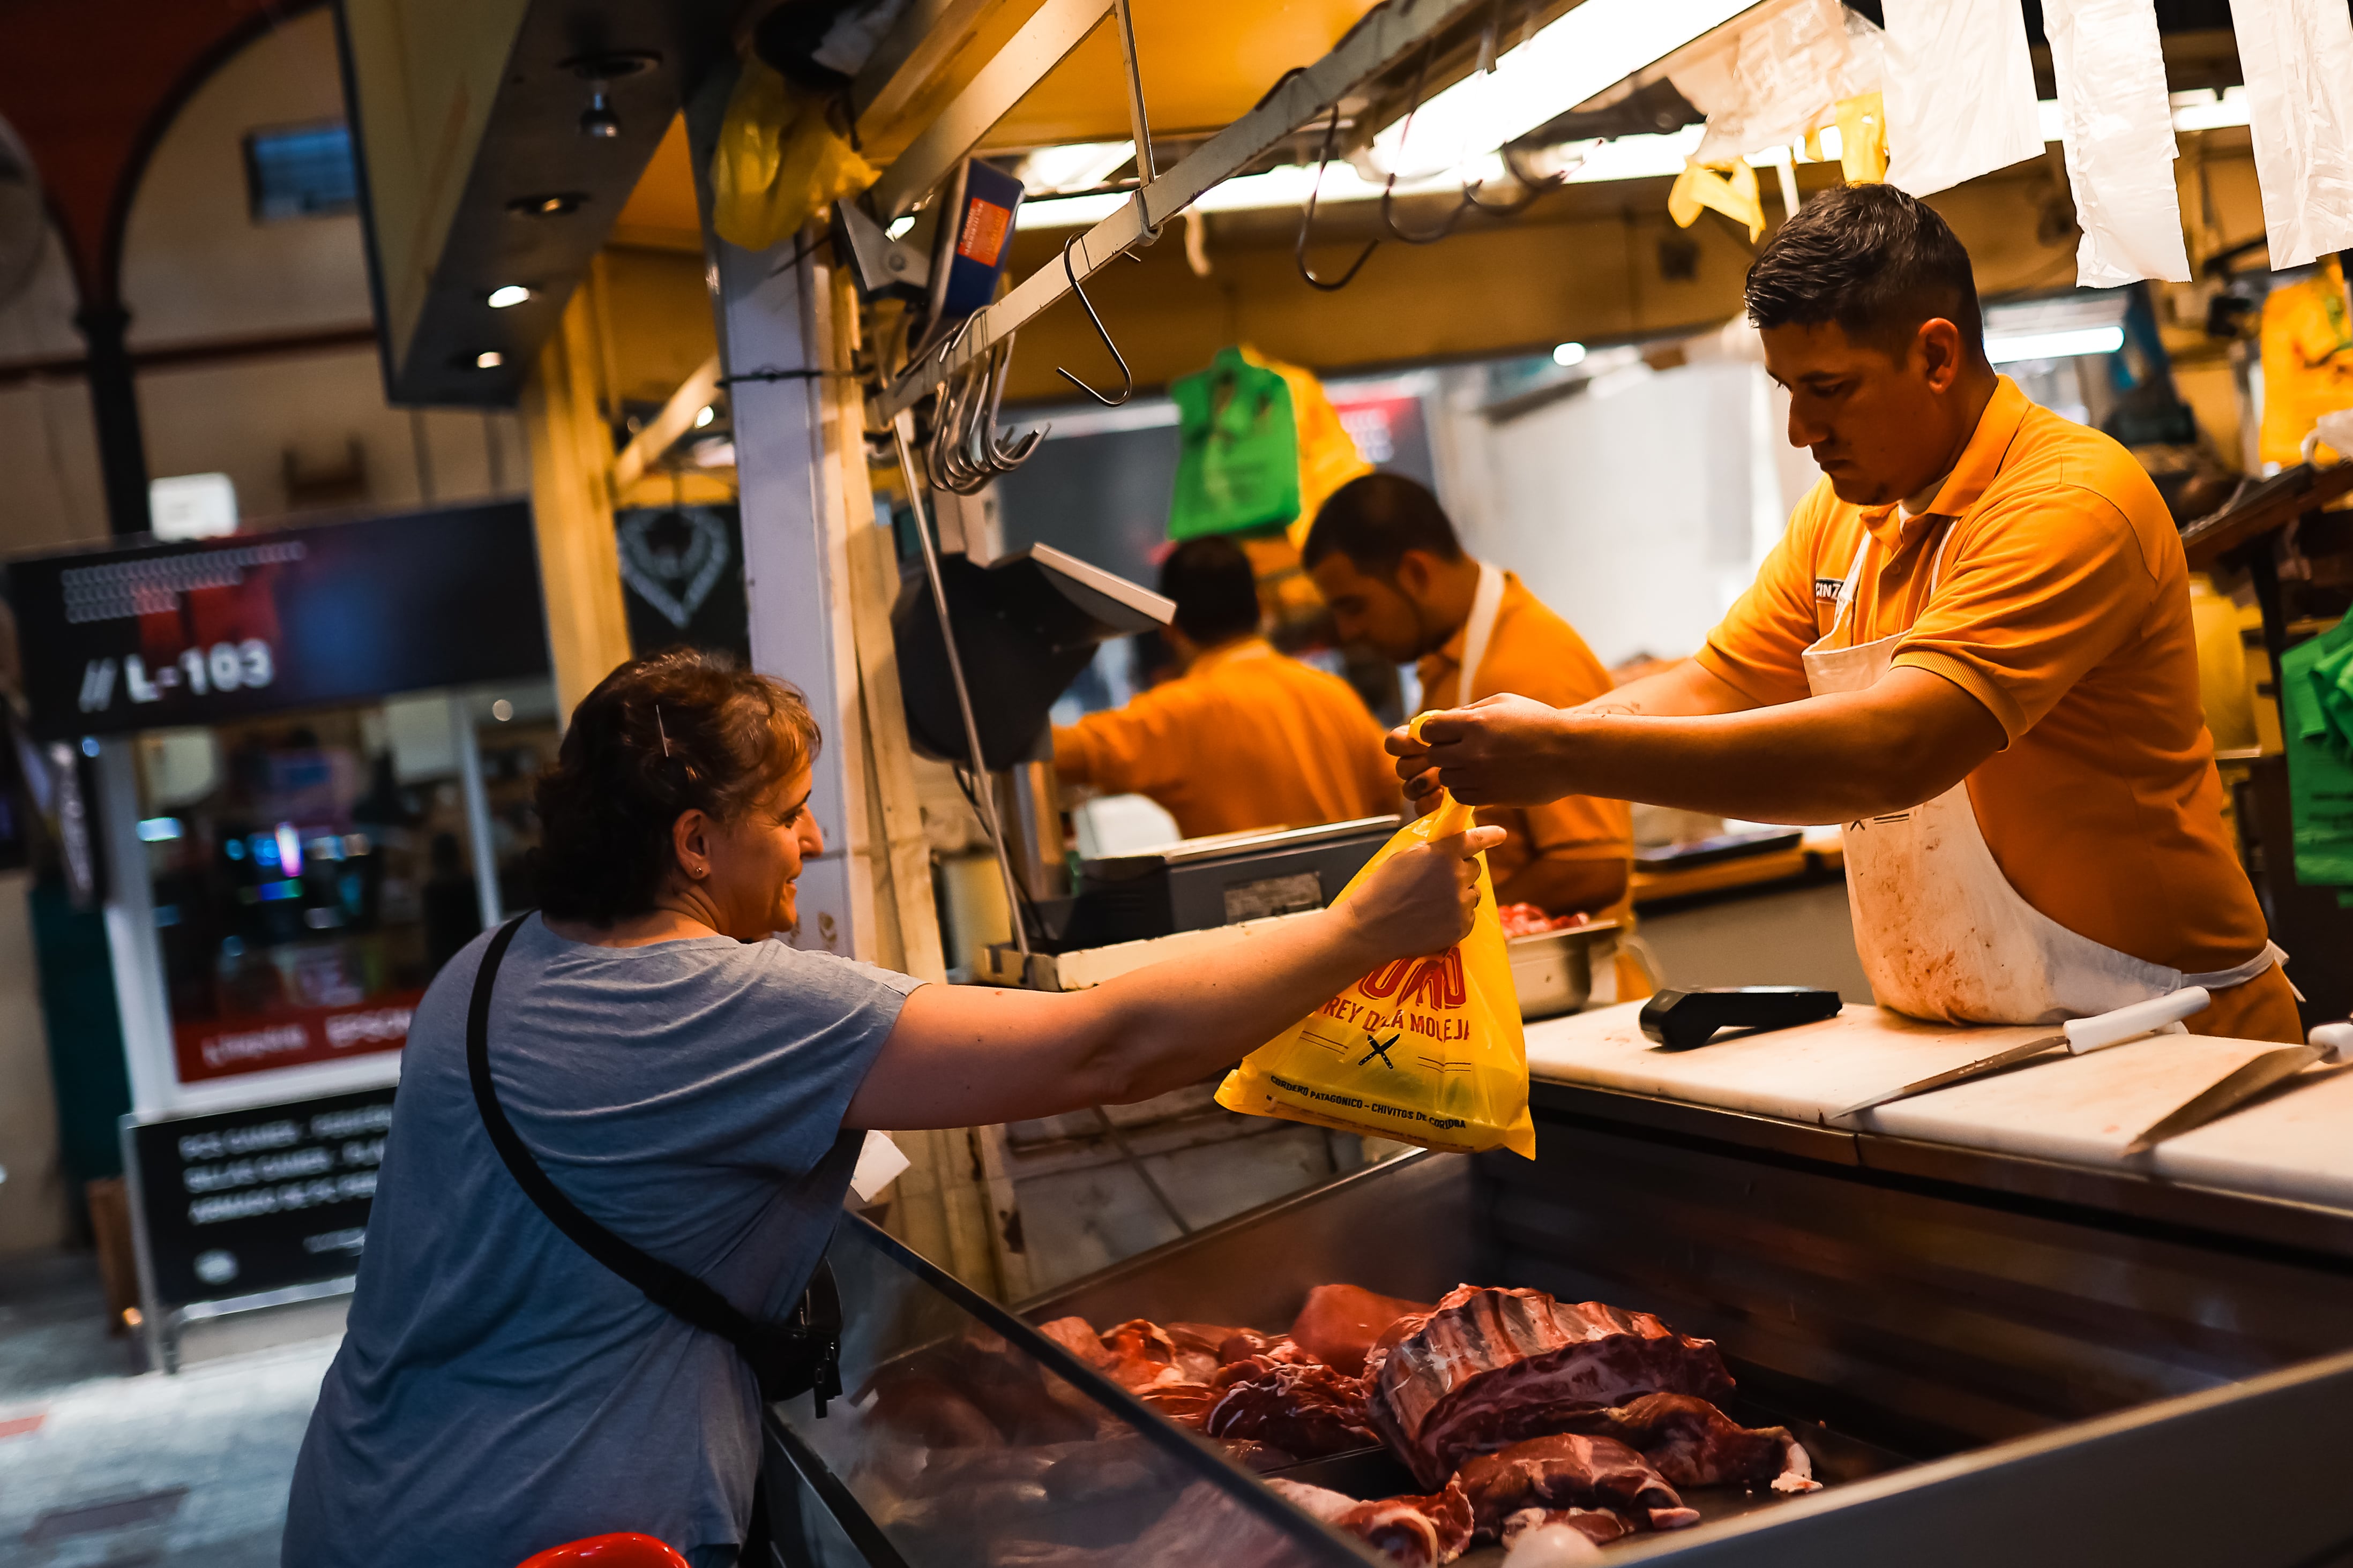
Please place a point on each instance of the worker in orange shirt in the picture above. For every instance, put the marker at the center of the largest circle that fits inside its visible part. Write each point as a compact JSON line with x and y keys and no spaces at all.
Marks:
{"x":1973,"y":647}
{"x":1245,"y":737}
{"x":1386,"y":559}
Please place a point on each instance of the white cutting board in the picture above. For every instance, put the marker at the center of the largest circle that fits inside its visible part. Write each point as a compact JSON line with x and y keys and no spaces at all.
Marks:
{"x":2083,"y":1111}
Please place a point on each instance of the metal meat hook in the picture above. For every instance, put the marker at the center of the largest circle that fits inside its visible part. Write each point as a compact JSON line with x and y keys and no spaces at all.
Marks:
{"x":1388,"y":191}
{"x":1127,"y":376}
{"x":1307,"y":220}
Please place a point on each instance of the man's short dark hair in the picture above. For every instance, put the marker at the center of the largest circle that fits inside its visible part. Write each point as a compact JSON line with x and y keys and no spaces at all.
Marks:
{"x":1374,"y":520}
{"x":1876,"y":261}
{"x":1215,"y":587}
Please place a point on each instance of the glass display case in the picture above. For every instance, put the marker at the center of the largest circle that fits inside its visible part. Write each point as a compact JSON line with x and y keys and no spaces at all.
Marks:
{"x":965,"y":1439}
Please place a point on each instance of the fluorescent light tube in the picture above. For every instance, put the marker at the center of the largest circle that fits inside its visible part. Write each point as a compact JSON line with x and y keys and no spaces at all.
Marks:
{"x":2056,"y":345}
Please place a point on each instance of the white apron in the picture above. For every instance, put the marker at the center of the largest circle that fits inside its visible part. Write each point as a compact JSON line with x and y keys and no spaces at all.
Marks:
{"x":1478,"y":630}
{"x":1942,"y":933}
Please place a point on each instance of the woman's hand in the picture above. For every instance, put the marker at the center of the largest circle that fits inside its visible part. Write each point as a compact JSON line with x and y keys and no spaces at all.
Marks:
{"x":1421,"y":900}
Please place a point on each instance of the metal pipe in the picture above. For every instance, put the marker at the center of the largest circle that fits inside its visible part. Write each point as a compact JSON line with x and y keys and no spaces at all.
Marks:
{"x":903,"y":435}
{"x":1382,"y":37}
{"x":1138,"y":121}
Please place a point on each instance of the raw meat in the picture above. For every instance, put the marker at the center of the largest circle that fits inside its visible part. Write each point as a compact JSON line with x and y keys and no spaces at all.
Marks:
{"x":1077,"y":1336}
{"x":1309,"y":1410}
{"x":1249,"y":1344}
{"x":1197,"y":1348}
{"x":1186,"y":1403}
{"x":1597,"y":1526}
{"x":1693,"y":1444}
{"x":1417,"y":1531}
{"x":1142,"y":1354}
{"x":1488,"y":1367}
{"x":1567,"y":1470}
{"x":1341,"y":1323}
{"x":1526,"y":919}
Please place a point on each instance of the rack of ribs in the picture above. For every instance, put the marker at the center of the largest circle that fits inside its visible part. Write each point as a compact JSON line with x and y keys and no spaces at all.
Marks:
{"x":1489,"y":1367}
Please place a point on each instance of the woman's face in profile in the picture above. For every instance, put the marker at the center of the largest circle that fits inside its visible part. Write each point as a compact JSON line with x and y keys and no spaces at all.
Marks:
{"x":756,"y":856}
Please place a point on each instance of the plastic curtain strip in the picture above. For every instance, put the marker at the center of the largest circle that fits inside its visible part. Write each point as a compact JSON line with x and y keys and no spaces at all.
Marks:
{"x":2117,"y":125}
{"x":1960,"y":92}
{"x":2297,"y":56}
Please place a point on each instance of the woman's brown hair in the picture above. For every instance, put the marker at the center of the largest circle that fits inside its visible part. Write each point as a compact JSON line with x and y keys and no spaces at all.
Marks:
{"x":679,"y":731}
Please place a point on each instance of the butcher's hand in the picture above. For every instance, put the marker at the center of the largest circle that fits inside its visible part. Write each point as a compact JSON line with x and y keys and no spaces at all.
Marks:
{"x":1420,"y":900}
{"x":1500,"y":751}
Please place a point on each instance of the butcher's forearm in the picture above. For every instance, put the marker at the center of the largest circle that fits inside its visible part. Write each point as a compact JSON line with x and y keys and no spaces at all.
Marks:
{"x":1829,"y":759}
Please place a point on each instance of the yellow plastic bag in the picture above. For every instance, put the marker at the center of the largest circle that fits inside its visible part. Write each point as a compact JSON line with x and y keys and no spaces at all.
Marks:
{"x":1731,"y":190}
{"x":779,"y":163}
{"x":1423,"y":1050}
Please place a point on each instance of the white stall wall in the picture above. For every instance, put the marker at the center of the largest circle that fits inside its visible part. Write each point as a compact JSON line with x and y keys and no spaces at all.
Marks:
{"x":1638,"y":507}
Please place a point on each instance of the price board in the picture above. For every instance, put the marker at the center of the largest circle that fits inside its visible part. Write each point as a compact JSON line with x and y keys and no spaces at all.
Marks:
{"x":242,"y":1203}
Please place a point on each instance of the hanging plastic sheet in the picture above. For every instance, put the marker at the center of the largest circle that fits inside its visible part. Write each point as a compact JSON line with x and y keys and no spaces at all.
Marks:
{"x":1960,"y":92}
{"x":1772,"y":84}
{"x":2117,"y":126}
{"x":2297,"y":57}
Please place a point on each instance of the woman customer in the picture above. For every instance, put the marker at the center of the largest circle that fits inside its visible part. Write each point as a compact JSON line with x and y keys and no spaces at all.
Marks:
{"x":700,"y":1090}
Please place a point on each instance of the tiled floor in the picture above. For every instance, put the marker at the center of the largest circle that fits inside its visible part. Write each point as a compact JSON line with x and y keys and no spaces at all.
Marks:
{"x":99,"y":1467}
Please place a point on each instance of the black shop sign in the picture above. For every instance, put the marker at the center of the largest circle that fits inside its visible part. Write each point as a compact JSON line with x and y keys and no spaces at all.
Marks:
{"x":205,"y":630}
{"x":237,"y":1202}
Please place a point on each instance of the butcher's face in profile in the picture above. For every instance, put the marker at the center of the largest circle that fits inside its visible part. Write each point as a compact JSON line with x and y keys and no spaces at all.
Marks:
{"x":1883,"y":420}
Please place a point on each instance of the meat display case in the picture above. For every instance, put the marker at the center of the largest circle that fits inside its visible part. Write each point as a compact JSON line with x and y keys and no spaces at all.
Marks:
{"x":1991,"y":1358}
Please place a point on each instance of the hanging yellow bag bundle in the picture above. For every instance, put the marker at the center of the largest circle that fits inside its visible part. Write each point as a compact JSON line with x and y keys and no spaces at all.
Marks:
{"x":1423,"y":1050}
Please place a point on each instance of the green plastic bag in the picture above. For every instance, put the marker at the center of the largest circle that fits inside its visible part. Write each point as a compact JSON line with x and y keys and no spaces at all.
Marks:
{"x":2319,"y":781}
{"x":1238,"y":463}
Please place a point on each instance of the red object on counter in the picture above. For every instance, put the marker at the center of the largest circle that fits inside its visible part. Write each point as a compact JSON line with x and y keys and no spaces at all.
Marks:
{"x":1526,"y":919}
{"x":626,"y":1550}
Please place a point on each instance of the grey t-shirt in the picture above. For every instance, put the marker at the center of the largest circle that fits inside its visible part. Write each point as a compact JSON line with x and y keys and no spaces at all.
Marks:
{"x":498,"y":1391}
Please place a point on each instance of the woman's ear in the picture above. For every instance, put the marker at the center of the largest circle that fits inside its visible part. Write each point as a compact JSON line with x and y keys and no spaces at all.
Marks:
{"x":689,"y":842}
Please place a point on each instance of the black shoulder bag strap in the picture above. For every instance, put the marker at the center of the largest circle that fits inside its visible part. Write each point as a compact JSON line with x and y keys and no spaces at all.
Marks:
{"x":801,"y":1353}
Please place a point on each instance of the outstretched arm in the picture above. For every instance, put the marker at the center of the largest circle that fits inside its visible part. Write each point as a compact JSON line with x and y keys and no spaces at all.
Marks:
{"x":964,"y":1054}
{"x":1910,"y":737}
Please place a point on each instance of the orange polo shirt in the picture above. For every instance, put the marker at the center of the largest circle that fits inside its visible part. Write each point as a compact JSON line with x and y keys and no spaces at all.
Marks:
{"x":2062,"y":605}
{"x":1245,"y":739}
{"x":1534,"y":653}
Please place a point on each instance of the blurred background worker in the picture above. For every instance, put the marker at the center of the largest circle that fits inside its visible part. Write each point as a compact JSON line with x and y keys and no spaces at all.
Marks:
{"x":1386,"y":557}
{"x":1246,"y":737}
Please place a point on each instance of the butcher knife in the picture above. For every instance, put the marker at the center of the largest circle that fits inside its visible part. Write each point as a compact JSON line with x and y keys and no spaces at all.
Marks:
{"x":2160,"y":1014}
{"x":2330,"y":1042}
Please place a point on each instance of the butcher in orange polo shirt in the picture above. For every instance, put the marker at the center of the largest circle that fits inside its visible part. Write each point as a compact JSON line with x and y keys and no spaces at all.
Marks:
{"x":1973,"y":648}
{"x":1246,"y":738}
{"x":1386,"y":558}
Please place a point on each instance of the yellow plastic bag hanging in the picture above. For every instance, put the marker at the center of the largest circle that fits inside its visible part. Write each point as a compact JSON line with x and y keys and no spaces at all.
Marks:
{"x":1862,"y":138}
{"x":1423,"y":1050}
{"x":779,"y":161}
{"x":1732,"y":193}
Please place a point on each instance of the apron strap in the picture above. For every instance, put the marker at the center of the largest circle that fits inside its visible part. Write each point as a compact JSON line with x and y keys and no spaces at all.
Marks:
{"x":1478,"y":629}
{"x":1846,"y":594}
{"x":2239,"y":974}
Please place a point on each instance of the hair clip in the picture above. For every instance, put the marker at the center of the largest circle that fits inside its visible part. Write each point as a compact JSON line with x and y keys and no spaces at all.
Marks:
{"x":658,"y":730}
